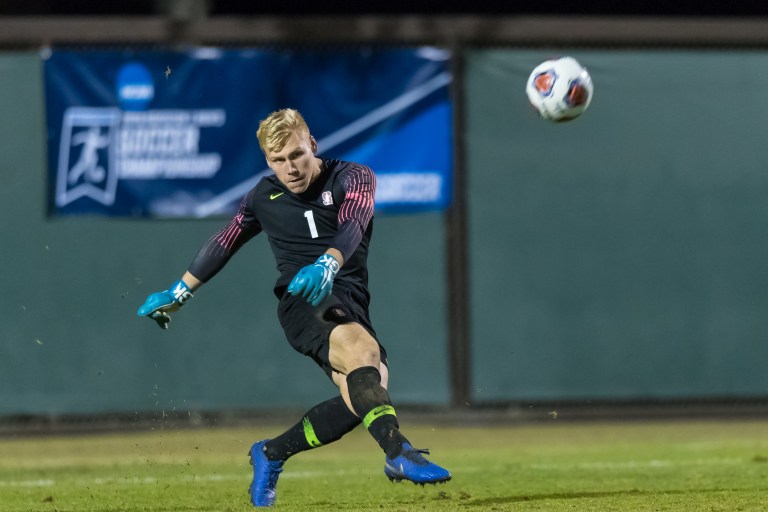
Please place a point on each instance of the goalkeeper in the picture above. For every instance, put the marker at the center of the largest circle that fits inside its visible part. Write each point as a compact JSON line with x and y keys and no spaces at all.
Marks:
{"x":318,"y":215}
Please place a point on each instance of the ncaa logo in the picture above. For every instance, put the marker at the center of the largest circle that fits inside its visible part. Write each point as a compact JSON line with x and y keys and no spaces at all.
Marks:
{"x":135,"y":88}
{"x":327,"y":198}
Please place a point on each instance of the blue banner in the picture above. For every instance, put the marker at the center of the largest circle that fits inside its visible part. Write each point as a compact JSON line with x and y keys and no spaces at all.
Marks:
{"x":172,"y":133}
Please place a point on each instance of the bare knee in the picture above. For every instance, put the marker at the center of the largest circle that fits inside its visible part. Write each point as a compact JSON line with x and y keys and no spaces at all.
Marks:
{"x":352,"y":347}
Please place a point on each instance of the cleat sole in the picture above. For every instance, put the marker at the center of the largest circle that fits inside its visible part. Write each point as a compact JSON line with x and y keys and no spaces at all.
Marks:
{"x":399,"y":480}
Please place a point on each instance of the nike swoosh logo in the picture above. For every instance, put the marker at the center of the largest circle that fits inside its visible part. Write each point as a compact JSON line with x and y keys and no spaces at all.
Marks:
{"x":275,"y":196}
{"x":394,"y":469}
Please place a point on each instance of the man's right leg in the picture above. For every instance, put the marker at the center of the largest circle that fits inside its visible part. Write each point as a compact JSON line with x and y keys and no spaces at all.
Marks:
{"x":323,"y":424}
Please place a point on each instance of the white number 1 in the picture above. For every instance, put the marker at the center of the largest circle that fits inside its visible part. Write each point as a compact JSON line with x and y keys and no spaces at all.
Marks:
{"x":311,"y":221}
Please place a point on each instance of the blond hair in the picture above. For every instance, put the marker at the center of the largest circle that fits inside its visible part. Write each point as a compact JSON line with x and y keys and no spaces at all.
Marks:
{"x":275,"y":130}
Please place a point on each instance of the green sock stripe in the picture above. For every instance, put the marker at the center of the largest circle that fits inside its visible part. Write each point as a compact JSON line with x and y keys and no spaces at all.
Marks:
{"x":376,"y":413}
{"x":309,"y":434}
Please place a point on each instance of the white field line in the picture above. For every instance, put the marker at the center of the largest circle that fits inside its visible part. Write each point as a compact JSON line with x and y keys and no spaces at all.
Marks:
{"x":246,"y":475}
{"x":46,"y":482}
{"x":213,"y":477}
{"x":638,"y":464}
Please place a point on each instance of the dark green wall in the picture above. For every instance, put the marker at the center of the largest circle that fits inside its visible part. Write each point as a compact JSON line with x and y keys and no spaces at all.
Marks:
{"x":623,"y":254}
{"x":71,"y":341}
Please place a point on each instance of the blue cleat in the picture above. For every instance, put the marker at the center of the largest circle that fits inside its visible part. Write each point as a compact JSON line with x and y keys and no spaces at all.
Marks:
{"x":411,"y":465}
{"x":265,"y":474}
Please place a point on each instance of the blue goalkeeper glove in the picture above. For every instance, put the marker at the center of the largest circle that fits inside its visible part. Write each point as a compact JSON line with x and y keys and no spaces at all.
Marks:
{"x":314,"y":282}
{"x":159,"y":304}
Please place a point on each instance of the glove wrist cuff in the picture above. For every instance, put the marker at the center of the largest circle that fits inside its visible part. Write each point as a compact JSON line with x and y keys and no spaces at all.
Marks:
{"x":329,"y":262}
{"x":181,"y":292}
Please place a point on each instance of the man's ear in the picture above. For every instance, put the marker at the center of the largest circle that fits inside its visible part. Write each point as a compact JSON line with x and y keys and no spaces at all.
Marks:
{"x":313,"y":144}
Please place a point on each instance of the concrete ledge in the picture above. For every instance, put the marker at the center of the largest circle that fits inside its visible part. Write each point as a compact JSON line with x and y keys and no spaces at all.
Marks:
{"x":447,"y":30}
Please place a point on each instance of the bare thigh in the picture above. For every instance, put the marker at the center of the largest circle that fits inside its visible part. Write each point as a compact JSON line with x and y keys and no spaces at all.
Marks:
{"x":352,"y":347}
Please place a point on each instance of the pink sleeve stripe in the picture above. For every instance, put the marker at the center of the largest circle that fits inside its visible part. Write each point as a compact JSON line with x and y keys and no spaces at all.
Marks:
{"x":359,"y":198}
{"x":228,"y":236}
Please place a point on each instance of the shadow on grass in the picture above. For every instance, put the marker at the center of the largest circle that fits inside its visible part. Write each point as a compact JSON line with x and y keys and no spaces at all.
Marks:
{"x":482,"y":502}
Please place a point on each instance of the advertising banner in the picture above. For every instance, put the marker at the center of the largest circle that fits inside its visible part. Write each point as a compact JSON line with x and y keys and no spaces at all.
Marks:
{"x":172,"y":133}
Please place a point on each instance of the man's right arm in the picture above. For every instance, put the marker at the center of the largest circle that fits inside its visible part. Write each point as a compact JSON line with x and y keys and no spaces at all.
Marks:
{"x":213,"y":256}
{"x":218,"y":250}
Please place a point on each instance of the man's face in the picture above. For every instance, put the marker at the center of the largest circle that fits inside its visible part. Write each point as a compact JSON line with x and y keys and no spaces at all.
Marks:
{"x":295,"y":165}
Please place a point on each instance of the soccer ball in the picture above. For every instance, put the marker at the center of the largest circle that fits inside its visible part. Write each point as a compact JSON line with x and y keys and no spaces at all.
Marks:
{"x":559,"y":89}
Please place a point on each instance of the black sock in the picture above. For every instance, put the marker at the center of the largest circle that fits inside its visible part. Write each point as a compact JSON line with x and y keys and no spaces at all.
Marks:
{"x":372,"y":404}
{"x":323,"y":424}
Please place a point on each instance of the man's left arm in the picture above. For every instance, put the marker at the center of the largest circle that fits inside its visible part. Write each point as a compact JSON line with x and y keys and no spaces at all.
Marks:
{"x":315,"y":282}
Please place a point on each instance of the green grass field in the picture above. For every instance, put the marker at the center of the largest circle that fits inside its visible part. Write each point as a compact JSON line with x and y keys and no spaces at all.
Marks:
{"x":552,"y":466}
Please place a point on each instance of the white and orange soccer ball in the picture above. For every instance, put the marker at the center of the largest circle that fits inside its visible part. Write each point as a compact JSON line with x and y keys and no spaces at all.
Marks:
{"x":560,"y":89}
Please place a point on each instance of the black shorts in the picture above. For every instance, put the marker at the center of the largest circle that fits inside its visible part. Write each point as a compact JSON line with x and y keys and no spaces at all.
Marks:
{"x":308,"y":328}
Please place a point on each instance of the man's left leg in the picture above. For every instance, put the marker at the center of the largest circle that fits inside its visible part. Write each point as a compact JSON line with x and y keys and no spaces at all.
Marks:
{"x":356,"y":353}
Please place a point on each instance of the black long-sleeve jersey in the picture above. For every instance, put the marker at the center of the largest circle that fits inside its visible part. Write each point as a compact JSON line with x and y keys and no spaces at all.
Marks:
{"x":335,"y":211}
